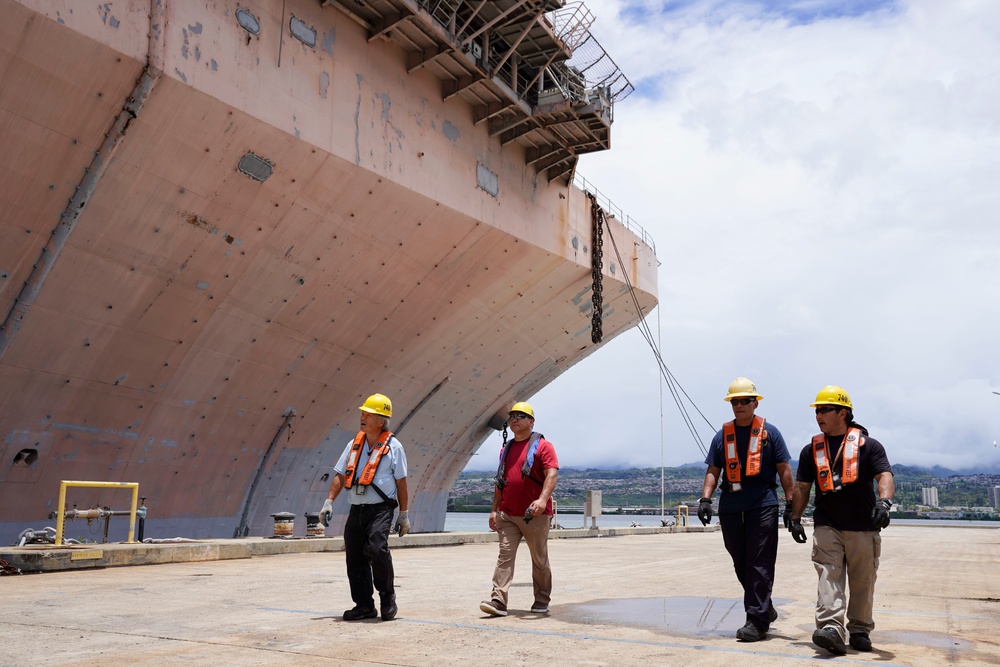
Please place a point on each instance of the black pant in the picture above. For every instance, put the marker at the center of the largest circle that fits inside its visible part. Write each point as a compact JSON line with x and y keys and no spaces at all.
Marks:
{"x":366,"y":543}
{"x":751,"y":539}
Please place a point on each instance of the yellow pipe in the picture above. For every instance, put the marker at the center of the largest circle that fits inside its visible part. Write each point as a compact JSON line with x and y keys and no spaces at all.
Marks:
{"x":131,"y":515}
{"x":61,"y":518}
{"x":62,"y":513}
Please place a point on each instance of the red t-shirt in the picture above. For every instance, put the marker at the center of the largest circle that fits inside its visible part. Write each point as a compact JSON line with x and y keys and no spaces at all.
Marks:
{"x":521,"y":491}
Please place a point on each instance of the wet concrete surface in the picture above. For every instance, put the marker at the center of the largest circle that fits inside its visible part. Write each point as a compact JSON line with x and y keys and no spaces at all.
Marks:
{"x":657,"y":599}
{"x":692,"y":616}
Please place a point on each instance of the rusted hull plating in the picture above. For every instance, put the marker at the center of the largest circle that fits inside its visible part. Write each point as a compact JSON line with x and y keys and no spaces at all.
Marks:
{"x":174,"y":321}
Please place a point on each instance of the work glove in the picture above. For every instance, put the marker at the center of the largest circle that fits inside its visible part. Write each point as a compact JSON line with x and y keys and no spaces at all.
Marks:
{"x":797,"y":531}
{"x":326,"y":513}
{"x":880,"y":515}
{"x":786,"y":517}
{"x":403,"y":523}
{"x":705,"y":511}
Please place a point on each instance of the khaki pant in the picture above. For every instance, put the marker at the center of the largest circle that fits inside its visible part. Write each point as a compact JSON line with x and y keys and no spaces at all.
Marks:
{"x":845,"y":558}
{"x":536,"y":533}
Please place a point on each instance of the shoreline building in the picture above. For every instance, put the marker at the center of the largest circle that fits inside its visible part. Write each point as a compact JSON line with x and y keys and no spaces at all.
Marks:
{"x":930,"y":496}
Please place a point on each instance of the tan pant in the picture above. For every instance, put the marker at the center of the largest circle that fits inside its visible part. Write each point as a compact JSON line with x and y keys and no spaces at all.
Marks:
{"x":842,"y":556}
{"x":536,"y":533}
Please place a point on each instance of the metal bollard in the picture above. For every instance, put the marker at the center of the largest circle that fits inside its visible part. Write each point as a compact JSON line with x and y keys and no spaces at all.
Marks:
{"x":313,"y":527}
{"x":141,"y":516}
{"x":284,"y":524}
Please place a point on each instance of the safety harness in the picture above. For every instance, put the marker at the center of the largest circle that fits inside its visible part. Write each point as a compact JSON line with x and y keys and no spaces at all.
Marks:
{"x":850,"y":452}
{"x":529,"y":461}
{"x":368,"y":473}
{"x":758,"y":435}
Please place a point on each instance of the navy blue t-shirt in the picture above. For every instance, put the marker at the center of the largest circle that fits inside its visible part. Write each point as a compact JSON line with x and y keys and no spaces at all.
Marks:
{"x":851,"y":507}
{"x":758,"y":490}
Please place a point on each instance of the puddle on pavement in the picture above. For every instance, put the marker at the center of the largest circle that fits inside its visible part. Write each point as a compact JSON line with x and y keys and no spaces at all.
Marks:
{"x":937,"y":640}
{"x":676,"y":615}
{"x":694,"y":616}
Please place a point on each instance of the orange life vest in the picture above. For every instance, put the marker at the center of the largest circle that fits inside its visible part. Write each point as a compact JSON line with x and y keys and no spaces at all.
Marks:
{"x":368,"y":474}
{"x":849,"y":451}
{"x":758,"y":434}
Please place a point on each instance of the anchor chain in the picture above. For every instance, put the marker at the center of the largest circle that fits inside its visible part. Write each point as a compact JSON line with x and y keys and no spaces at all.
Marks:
{"x":499,"y":480}
{"x":8,"y":569}
{"x":597,"y":263}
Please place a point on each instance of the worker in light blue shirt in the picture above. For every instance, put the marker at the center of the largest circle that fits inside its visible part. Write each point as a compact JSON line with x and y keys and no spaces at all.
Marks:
{"x":372,"y":472}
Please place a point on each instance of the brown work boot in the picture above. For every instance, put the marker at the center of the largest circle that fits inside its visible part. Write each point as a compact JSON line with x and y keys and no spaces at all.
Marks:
{"x":493,"y":607}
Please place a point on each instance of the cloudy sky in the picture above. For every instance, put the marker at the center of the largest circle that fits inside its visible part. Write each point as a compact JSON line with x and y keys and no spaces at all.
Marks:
{"x":822,"y":182}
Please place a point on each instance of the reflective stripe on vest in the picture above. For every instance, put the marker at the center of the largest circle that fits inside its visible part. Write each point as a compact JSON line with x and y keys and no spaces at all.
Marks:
{"x":757,"y":435}
{"x":368,"y":474}
{"x":853,"y":441}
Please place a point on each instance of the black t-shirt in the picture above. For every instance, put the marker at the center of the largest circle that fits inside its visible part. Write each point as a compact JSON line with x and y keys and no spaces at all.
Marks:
{"x":851,"y":507}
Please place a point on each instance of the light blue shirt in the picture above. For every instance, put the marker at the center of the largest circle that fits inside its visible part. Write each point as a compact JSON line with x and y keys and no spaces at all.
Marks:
{"x":390,"y":468}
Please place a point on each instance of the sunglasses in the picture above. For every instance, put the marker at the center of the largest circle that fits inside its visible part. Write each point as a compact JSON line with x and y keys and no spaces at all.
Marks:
{"x":825,"y":409}
{"x":743,"y":401}
{"x":518,"y":415}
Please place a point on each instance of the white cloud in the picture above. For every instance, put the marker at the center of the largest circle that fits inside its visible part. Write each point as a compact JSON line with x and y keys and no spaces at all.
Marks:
{"x":822,"y":190}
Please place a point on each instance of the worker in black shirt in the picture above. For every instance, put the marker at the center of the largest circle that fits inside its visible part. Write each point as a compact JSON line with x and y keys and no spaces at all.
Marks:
{"x":844,"y":463}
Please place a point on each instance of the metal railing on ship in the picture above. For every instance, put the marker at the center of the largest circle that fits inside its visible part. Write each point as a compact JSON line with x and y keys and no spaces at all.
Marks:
{"x":613,"y":211}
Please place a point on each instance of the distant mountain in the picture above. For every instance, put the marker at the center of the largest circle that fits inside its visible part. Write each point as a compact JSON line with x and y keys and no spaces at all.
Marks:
{"x":941,"y":471}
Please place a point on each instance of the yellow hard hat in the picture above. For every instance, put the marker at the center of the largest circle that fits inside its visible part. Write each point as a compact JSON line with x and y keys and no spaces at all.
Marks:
{"x":833,"y":395}
{"x":742,"y":387}
{"x":378,"y":404}
{"x":523,"y":407}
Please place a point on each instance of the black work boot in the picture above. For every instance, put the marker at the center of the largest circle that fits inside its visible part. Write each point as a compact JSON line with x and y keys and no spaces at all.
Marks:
{"x":829,"y":639}
{"x":389,"y":608}
{"x":750,"y":632}
{"x":860,"y":641}
{"x":359,"y":613}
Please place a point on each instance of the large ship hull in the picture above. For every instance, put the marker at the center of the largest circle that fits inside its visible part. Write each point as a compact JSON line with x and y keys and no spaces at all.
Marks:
{"x":214,"y":245}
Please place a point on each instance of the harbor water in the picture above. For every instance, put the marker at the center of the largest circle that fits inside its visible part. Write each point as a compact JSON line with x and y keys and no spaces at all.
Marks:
{"x":472,"y":522}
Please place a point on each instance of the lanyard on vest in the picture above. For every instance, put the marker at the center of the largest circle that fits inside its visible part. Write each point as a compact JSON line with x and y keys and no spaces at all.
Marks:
{"x":757,"y":436}
{"x":501,"y":479}
{"x":368,"y":474}
{"x":850,"y":451}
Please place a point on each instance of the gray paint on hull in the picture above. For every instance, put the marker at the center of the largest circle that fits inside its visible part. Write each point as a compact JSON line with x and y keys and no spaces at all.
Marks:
{"x":451,"y":132}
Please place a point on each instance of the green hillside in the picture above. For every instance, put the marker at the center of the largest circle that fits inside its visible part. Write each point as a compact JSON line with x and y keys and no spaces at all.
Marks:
{"x":640,"y":487}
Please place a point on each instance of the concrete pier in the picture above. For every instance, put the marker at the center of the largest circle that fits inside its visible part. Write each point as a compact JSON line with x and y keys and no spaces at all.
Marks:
{"x":647,"y":598}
